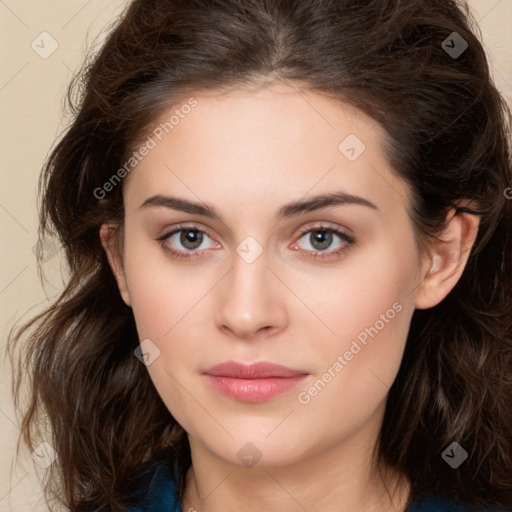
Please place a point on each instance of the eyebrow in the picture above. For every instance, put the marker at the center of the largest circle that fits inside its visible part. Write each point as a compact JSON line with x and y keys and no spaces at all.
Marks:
{"x":292,"y":209}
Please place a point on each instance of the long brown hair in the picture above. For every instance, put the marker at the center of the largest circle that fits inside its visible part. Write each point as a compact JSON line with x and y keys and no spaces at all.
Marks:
{"x":448,"y":129}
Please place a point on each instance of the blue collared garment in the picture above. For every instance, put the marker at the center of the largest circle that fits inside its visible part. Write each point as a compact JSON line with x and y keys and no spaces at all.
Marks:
{"x":158,"y":493}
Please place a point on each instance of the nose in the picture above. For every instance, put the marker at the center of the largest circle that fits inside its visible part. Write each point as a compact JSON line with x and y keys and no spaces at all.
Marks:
{"x":252,"y":301}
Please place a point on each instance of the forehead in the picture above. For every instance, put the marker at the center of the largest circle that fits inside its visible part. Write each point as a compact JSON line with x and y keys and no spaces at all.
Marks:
{"x":277,"y":141}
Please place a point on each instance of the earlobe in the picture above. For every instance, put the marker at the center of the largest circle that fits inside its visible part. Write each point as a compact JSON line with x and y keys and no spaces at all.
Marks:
{"x":109,"y":241}
{"x":447,"y":259}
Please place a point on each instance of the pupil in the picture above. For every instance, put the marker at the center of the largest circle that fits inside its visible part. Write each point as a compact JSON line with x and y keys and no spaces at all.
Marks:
{"x":323,"y":238}
{"x":191,"y":239}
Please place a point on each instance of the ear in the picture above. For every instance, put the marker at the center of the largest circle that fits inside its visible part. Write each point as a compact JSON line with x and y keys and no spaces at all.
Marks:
{"x":111,"y":243}
{"x":447,"y":258}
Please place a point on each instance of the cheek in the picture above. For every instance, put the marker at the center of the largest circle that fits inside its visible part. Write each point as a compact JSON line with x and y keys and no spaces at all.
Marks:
{"x":165,"y":309}
{"x":367,"y":305}
{"x":167,"y":303}
{"x":362,"y":295}
{"x":161,"y":293}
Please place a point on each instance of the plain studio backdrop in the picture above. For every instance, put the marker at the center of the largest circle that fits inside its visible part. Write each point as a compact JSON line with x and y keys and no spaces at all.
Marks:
{"x":41,"y":44}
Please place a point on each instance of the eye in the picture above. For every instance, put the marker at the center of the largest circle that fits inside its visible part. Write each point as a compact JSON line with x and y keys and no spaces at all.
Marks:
{"x":190,"y":239}
{"x":185,"y":242}
{"x":322,"y":238}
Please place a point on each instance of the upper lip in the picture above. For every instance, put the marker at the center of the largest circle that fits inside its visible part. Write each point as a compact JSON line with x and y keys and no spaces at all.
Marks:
{"x":261,"y":370}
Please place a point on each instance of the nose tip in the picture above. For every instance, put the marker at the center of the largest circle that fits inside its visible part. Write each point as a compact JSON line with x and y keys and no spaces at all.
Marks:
{"x":248,"y":306}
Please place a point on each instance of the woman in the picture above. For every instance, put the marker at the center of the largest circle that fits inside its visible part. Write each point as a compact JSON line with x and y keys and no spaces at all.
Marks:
{"x":290,"y":253}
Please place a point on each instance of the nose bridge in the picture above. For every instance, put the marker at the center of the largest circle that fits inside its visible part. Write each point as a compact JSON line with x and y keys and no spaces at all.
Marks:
{"x":250,"y":300}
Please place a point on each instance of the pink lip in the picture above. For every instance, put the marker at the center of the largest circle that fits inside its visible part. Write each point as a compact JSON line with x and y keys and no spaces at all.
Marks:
{"x":253,"y":382}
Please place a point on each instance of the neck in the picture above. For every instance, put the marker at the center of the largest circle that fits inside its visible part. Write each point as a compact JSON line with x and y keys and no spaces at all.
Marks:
{"x":343,"y":478}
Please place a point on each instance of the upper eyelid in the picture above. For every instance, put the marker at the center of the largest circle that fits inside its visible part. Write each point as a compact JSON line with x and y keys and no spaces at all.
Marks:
{"x":199,"y":227}
{"x":324,"y":226}
{"x":183,"y":227}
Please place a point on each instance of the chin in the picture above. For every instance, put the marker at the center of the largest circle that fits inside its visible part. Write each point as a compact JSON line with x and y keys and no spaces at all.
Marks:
{"x":258,"y":449}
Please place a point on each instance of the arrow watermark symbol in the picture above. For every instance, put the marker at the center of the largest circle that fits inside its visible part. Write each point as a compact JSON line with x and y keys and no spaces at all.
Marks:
{"x":352,"y":147}
{"x":454,"y":455}
{"x":454,"y":45}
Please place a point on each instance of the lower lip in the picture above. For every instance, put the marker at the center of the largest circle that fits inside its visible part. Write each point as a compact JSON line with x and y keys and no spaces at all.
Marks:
{"x":254,"y":390}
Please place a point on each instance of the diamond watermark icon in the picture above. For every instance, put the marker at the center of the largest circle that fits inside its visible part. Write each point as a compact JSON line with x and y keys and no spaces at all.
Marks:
{"x":44,"y":45}
{"x":454,"y":455}
{"x":249,"y":249}
{"x":249,"y":455}
{"x":454,"y":45}
{"x":48,"y":250}
{"x":147,"y":352}
{"x":352,"y":147}
{"x":44,"y":455}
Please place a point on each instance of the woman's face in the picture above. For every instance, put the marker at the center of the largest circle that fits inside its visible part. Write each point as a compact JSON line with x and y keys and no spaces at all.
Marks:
{"x":264,"y":277}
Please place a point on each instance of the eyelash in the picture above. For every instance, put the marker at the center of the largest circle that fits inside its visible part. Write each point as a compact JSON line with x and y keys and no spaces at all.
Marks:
{"x":315,"y":255}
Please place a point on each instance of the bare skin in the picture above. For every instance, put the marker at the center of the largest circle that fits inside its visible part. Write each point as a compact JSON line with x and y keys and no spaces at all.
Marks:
{"x":248,"y":153}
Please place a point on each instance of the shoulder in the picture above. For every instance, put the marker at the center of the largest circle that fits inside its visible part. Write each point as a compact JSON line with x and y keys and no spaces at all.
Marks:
{"x":440,"y":504}
{"x":156,"y":488}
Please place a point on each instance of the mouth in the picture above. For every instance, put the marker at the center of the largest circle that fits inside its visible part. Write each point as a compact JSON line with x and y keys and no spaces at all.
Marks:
{"x":256,"y":382}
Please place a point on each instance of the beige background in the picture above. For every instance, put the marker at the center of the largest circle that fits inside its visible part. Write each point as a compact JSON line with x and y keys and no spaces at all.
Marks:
{"x":32,"y":89}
